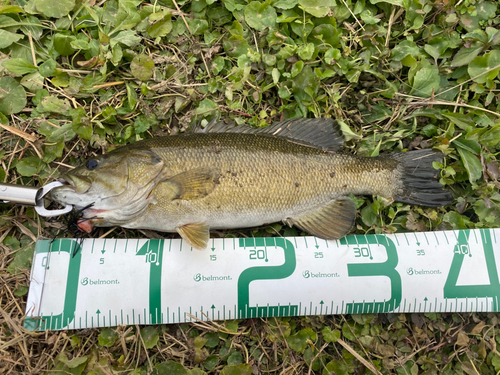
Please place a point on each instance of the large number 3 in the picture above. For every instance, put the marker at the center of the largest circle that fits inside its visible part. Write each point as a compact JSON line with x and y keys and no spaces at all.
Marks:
{"x":387,"y":268}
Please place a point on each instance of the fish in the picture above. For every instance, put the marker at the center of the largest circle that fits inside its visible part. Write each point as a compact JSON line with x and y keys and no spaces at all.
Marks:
{"x":229,"y":177}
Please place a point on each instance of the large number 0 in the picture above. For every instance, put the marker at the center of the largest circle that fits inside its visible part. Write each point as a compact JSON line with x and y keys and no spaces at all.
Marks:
{"x":452,"y":290}
{"x":58,"y":321}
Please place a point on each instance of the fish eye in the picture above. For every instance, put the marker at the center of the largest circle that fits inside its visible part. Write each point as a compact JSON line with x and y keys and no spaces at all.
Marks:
{"x":92,"y":164}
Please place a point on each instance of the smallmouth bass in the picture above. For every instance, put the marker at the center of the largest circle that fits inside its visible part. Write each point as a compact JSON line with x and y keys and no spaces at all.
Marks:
{"x":235,"y":177}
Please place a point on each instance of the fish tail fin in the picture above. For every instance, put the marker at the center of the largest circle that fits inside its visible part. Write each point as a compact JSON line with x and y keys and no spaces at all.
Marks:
{"x":420,"y":183}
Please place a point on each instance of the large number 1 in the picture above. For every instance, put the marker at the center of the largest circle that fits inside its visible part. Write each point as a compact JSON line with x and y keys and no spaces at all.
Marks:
{"x":153,"y":250}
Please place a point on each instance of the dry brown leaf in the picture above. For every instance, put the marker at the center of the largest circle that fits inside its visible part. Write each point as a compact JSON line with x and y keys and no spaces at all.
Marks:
{"x":19,"y":133}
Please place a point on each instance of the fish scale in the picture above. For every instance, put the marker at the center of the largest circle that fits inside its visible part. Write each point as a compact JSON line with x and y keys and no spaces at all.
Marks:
{"x":262,"y":174}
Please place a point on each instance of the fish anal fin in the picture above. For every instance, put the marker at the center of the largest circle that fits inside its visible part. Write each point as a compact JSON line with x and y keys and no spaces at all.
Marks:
{"x":196,"y":234}
{"x":195,"y":183}
{"x":330,"y":222}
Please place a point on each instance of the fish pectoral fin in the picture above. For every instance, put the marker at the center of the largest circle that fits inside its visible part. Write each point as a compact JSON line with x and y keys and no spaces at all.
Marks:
{"x":330,"y":222}
{"x":195,"y":183}
{"x":197,"y":235}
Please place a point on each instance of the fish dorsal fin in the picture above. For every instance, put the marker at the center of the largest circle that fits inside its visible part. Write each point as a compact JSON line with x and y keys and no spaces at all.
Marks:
{"x":330,"y":222}
{"x":195,"y":183}
{"x":322,"y":133}
{"x":197,"y":234}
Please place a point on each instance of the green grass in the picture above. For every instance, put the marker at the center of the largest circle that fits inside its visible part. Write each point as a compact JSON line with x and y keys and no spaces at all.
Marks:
{"x":80,"y":78}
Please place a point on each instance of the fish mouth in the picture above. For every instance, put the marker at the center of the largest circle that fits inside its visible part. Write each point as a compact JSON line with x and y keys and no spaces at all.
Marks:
{"x":84,"y":219}
{"x":80,"y":184}
{"x":64,"y":181}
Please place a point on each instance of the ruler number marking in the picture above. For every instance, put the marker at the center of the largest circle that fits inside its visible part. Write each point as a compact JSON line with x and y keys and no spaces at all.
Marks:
{"x":66,"y":317}
{"x":264,"y":273}
{"x":462,"y":249}
{"x":491,"y":290}
{"x":362,"y":252}
{"x":256,"y":254}
{"x":152,"y":250}
{"x":387,"y":268}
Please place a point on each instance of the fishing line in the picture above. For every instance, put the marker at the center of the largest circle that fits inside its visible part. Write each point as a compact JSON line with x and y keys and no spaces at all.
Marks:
{"x":71,"y":222}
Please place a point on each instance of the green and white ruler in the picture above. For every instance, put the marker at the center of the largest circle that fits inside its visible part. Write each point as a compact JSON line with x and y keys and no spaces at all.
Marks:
{"x":113,"y":282}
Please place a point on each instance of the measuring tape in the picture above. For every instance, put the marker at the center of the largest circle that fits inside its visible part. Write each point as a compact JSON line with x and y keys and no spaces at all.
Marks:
{"x":110,"y":282}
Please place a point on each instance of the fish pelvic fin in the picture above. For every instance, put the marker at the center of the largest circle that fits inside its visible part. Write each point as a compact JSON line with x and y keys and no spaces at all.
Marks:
{"x":419,"y":179}
{"x":330,"y":222}
{"x":196,"y":234}
{"x":195,"y":183}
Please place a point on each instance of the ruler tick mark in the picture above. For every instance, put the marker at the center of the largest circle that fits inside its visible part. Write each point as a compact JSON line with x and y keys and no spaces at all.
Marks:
{"x":446,"y":237}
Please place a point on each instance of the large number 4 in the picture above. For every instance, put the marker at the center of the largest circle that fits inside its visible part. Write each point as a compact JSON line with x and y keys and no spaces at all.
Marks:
{"x":452,"y":290}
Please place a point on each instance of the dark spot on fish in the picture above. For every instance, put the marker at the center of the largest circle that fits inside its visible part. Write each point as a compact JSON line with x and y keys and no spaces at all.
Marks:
{"x":332,"y":174}
{"x":344,"y":186}
{"x":234,"y":174}
{"x":216,"y":148}
{"x":217,"y":179}
{"x":218,"y":207}
{"x":297,"y":184}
